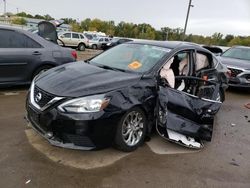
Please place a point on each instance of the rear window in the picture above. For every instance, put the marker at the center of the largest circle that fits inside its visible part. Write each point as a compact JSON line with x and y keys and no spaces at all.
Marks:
{"x":14,"y":39}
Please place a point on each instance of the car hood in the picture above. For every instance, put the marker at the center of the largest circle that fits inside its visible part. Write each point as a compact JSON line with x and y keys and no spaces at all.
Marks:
{"x":82,"y":79}
{"x":238,"y":63}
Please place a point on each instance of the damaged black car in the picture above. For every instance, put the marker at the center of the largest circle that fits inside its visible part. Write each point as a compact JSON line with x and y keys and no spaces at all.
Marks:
{"x":118,"y":97}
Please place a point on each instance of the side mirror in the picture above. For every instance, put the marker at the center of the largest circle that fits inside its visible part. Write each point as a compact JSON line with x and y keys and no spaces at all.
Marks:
{"x":61,"y":36}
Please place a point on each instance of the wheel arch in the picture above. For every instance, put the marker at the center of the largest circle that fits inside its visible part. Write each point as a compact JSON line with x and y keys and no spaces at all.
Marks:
{"x":81,"y":43}
{"x":43,"y":65}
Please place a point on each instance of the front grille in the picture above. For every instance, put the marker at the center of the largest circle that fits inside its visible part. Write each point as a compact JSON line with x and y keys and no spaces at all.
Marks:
{"x":41,"y":97}
{"x":235,"y":72}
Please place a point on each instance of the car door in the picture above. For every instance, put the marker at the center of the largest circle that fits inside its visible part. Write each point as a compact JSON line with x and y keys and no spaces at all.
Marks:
{"x":186,"y":116}
{"x":75,"y":39}
{"x":66,"y":38}
{"x":17,"y":54}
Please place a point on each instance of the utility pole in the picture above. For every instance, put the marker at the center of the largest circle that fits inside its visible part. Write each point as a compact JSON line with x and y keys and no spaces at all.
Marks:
{"x":4,"y":8}
{"x":185,"y":28}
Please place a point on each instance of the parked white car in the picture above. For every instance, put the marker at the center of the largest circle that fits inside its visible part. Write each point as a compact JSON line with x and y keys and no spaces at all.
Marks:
{"x":73,"y":39}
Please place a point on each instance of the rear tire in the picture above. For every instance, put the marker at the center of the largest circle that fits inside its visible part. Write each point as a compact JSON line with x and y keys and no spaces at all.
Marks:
{"x":81,"y":47}
{"x":131,"y":130}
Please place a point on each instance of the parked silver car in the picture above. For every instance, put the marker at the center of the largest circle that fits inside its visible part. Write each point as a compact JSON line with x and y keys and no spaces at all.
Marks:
{"x":98,"y":43}
{"x":237,"y":60}
{"x":73,"y":39}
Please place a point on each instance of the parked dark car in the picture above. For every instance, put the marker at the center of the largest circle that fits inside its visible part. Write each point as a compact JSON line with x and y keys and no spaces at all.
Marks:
{"x":118,"y":96}
{"x":237,"y":60}
{"x":114,"y":42}
{"x":24,"y":55}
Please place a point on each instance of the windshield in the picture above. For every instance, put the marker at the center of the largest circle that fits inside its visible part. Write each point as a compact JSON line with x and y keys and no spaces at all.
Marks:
{"x":131,"y":57}
{"x":238,"y":53}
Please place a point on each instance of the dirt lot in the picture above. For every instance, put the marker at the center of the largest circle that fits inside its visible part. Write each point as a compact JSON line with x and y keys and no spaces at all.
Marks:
{"x":26,"y":160}
{"x":81,"y":56}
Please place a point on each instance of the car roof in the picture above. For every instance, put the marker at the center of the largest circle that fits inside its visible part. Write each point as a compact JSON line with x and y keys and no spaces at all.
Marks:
{"x":168,"y":44}
{"x":33,"y":36}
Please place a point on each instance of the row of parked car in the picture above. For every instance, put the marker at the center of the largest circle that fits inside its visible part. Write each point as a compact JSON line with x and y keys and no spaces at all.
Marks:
{"x":82,"y":41}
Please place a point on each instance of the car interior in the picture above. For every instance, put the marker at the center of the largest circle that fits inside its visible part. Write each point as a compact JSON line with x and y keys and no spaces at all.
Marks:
{"x":189,"y":72}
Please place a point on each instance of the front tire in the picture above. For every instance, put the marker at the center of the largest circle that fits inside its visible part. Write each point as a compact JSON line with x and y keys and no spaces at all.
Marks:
{"x":131,"y":130}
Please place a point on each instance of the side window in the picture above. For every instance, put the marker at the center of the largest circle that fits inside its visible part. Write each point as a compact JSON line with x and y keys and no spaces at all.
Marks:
{"x":81,"y":36}
{"x":67,"y":35}
{"x":106,"y":40}
{"x":101,"y":40}
{"x":178,"y":65}
{"x":30,"y":43}
{"x":75,"y":36}
{"x":13,"y":39}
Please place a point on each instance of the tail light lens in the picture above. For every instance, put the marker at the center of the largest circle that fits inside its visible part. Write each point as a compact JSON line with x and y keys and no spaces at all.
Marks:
{"x":74,"y":54}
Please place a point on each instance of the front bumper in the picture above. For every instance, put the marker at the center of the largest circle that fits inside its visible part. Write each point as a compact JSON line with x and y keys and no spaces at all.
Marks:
{"x":239,"y":77}
{"x":73,"y":131}
{"x":240,"y":82}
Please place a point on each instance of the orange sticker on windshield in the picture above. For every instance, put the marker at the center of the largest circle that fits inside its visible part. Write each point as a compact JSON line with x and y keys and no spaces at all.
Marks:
{"x":135,"y":65}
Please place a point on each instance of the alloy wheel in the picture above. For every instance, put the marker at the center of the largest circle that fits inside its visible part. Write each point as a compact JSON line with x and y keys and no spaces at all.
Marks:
{"x":132,"y":128}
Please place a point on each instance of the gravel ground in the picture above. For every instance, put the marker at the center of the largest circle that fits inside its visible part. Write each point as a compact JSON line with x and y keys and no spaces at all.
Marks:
{"x":88,"y":53}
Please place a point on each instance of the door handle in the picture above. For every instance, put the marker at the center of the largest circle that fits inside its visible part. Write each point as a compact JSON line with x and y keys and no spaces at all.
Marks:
{"x":36,"y":53}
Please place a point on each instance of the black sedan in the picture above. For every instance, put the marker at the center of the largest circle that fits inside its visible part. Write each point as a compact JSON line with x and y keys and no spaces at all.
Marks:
{"x":118,"y":97}
{"x":24,"y":55}
{"x":237,"y":59}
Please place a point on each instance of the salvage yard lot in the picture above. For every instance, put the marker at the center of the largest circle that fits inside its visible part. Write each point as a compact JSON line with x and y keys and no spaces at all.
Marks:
{"x":28,"y":160}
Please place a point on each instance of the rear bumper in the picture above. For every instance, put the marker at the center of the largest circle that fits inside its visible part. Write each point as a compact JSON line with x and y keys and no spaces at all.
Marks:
{"x":73,"y":131}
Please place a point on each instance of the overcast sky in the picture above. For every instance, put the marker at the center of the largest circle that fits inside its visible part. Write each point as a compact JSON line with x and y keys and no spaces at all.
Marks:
{"x":206,"y":17}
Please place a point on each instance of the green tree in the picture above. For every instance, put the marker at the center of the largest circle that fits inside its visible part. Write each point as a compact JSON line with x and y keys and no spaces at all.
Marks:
{"x":48,"y":17}
{"x":19,"y":21}
{"x":76,"y":27}
{"x":37,"y":16}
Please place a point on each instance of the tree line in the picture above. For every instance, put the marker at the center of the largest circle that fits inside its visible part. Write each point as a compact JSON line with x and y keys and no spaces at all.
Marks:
{"x":145,"y":31}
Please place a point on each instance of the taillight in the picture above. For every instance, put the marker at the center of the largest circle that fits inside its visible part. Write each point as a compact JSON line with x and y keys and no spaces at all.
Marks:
{"x":74,"y":54}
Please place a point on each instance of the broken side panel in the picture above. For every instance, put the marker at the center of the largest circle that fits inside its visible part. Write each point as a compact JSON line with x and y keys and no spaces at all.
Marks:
{"x":185,"y":114}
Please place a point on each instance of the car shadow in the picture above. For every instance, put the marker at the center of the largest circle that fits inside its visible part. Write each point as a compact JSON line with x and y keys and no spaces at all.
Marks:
{"x":4,"y":89}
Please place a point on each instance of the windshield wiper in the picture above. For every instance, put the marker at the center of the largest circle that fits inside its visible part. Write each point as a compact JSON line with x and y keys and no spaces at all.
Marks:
{"x":106,"y":67}
{"x":112,"y":68}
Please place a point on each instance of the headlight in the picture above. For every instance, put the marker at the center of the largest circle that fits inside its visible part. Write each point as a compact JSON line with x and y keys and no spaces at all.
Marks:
{"x":94,"y":103}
